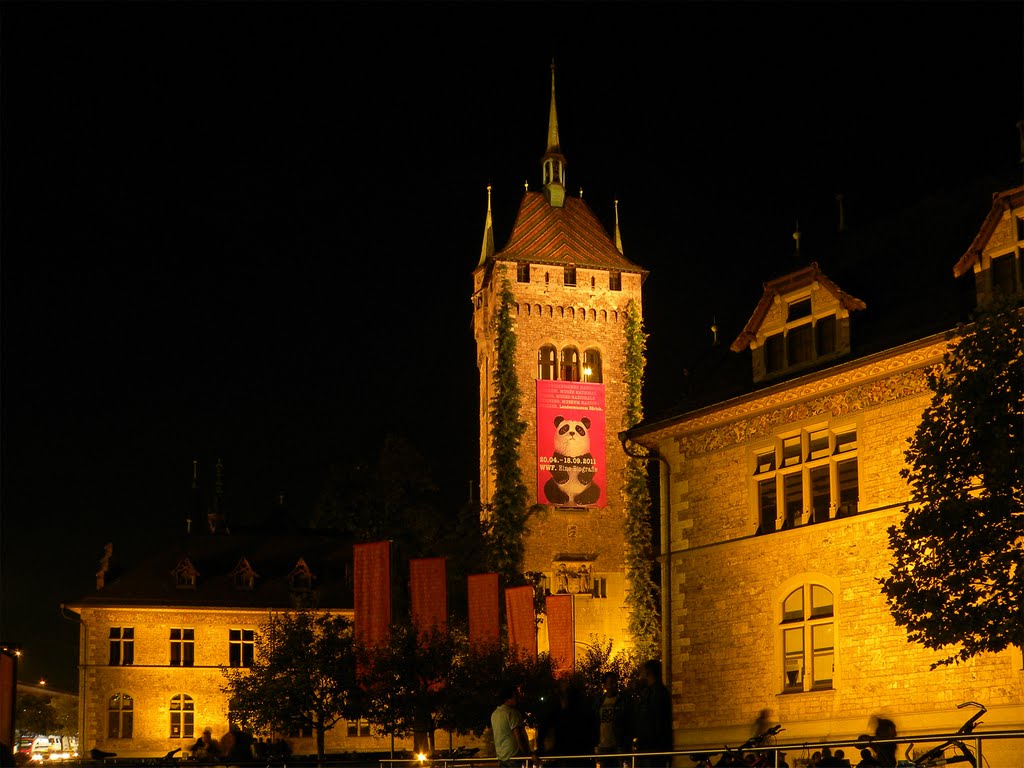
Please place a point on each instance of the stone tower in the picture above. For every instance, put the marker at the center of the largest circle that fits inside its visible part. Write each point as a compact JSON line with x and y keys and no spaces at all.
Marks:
{"x":572,"y":285}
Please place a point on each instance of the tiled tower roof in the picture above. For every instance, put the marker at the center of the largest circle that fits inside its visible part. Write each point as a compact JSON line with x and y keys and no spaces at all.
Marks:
{"x":568,"y":235}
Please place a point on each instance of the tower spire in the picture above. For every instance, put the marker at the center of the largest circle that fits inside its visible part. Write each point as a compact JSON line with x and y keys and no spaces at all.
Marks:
{"x":553,"y":163}
{"x":618,"y":236}
{"x":487,"y":248}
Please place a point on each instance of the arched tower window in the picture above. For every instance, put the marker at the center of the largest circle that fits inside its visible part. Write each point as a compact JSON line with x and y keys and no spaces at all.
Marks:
{"x":120,"y":716}
{"x":808,"y":639}
{"x":546,"y":362}
{"x":592,"y":366}
{"x":569,"y":367}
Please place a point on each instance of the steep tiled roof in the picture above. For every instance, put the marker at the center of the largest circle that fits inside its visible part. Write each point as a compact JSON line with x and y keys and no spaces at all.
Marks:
{"x":1010,"y":198}
{"x":215,"y":558}
{"x":784,"y":284}
{"x":570,"y":235}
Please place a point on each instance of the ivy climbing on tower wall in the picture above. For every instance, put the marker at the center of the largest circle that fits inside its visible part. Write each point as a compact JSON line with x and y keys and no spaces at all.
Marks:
{"x":642,"y":598}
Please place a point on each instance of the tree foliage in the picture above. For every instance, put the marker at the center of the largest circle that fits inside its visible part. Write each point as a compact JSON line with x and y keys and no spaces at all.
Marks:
{"x":642,"y":598}
{"x":303,"y":676}
{"x":43,"y":715}
{"x":957,"y":580}
{"x":508,"y":510}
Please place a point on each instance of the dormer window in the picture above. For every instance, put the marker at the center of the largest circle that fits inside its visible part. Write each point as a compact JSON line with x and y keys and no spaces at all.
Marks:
{"x":802,"y":318}
{"x":301,"y":577}
{"x":185,"y":575}
{"x":243,"y":577}
{"x":1004,"y":274}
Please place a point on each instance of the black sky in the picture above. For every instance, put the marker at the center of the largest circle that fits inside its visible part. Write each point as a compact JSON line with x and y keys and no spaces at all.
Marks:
{"x":246,"y":230}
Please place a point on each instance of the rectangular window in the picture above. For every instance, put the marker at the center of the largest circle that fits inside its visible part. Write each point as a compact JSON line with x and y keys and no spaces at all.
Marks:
{"x":823,"y":655}
{"x":774,"y":353}
{"x":800,"y":344}
{"x":765,"y":462}
{"x":183,"y":647}
{"x":1020,"y":228}
{"x":1004,"y":274}
{"x":182,"y":717}
{"x":599,"y":587}
{"x":241,"y":643}
{"x":523,"y":273}
{"x":767,"y":505}
{"x":120,"y":724}
{"x":798,"y":309}
{"x":300,"y":731}
{"x":614,"y":281}
{"x":848,"y":493}
{"x":793,"y":660}
{"x":791,"y":451}
{"x":817,"y":445}
{"x":569,"y":276}
{"x":358,"y":728}
{"x":793,"y":498}
{"x":821,"y":494}
{"x":825,"y":335}
{"x":846,"y":441}
{"x":122,"y":646}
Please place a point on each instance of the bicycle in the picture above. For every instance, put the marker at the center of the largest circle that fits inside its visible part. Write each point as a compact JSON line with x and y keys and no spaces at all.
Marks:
{"x":735,"y":757}
{"x":937,"y":755}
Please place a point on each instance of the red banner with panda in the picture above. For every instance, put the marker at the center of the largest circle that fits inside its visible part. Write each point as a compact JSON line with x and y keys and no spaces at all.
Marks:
{"x":428,"y":593}
{"x":371,"y":572}
{"x":484,"y":624}
{"x":570,"y":444}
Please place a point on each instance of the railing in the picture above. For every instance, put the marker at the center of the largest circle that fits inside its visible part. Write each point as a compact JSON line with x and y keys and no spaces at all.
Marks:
{"x":774,"y":751}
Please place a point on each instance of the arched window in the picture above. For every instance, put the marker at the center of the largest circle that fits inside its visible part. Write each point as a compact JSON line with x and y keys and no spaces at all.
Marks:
{"x":569,"y":368}
{"x":546,"y":362}
{"x":592,"y":366}
{"x":183,"y":715}
{"x":808,"y":639}
{"x":120,"y":716}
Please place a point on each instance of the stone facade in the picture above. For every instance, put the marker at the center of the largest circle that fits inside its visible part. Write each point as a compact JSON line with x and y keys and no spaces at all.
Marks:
{"x":739,"y":638}
{"x":151,"y":681}
{"x":586,"y":316}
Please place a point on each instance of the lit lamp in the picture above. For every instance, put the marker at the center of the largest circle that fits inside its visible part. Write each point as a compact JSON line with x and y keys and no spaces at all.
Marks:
{"x":587,"y":371}
{"x":422,"y":757}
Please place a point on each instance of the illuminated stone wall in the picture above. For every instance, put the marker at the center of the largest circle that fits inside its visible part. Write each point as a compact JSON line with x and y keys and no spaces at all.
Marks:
{"x":151,"y":681}
{"x":581,"y":316}
{"x":728,"y":584}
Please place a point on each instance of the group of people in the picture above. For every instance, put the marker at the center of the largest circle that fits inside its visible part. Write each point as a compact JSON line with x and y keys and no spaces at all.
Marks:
{"x":236,"y":746}
{"x":617,"y":721}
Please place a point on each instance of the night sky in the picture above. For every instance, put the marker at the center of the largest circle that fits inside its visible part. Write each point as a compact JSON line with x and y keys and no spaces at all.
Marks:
{"x":246,"y":230}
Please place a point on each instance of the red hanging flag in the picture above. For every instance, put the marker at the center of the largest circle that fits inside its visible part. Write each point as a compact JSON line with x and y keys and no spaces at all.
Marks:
{"x":371,"y":566}
{"x":428,"y":590}
{"x":561,"y":632}
{"x":484,"y":626}
{"x":522,"y":628}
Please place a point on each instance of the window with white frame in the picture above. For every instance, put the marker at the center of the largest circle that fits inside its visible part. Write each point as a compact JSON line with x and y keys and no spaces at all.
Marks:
{"x":241,"y":647}
{"x":357,"y":728}
{"x":122,"y":646}
{"x":808,"y":639}
{"x":803,"y":340}
{"x":809,"y":476}
{"x":120,"y":716}
{"x":183,"y":647}
{"x":183,"y":716}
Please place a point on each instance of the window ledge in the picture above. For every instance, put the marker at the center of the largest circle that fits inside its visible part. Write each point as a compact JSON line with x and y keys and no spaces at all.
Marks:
{"x":822,"y":692}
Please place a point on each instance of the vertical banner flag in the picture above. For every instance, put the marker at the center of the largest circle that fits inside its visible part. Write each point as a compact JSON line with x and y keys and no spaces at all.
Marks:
{"x":570,"y":444}
{"x":561,"y":632}
{"x":522,"y":627}
{"x":428,"y":592}
{"x":371,"y":566}
{"x":484,"y":626}
{"x":8,"y":686}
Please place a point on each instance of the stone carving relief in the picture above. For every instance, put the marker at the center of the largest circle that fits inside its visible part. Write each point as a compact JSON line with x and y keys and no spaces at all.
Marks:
{"x":572,"y":579}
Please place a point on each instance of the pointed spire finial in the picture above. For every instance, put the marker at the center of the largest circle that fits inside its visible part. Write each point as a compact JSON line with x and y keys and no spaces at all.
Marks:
{"x":526,"y":185}
{"x":842,"y":212}
{"x":581,"y":193}
{"x":487,"y":247}
{"x":553,"y":163}
{"x":796,"y":237}
{"x":618,"y":235}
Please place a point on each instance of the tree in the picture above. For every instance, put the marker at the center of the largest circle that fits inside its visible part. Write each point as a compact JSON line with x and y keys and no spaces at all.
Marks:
{"x":508,"y":511}
{"x":641,"y":601}
{"x":956,"y":582}
{"x":303,"y":676}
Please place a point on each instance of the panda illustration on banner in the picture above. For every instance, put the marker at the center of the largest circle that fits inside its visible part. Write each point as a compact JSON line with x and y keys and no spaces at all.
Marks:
{"x":573,"y":466}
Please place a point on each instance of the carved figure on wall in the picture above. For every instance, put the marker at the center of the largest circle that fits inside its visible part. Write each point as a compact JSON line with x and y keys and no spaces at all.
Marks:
{"x":562,"y":579}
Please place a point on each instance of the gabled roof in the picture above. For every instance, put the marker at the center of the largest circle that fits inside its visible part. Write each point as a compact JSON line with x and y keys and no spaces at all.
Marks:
{"x":782,"y":285}
{"x":217,"y":558}
{"x":1009,"y":198}
{"x":569,"y":236}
